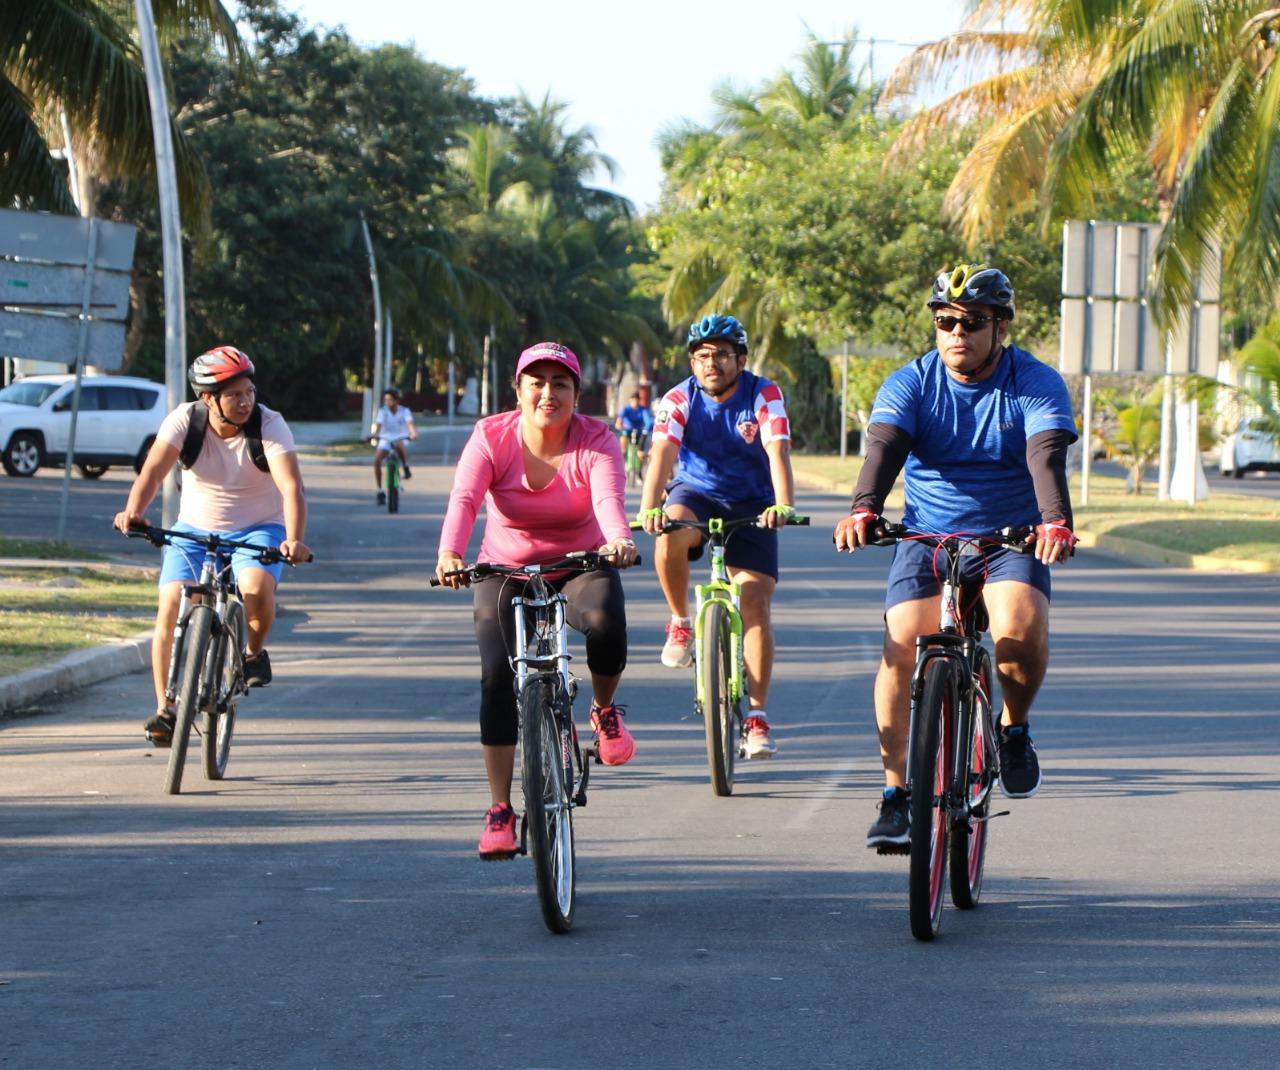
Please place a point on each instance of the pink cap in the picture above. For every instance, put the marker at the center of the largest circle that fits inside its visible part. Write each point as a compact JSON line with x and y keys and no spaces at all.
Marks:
{"x":549,"y":351}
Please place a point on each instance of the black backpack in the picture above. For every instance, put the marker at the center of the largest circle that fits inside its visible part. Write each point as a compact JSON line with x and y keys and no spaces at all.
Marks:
{"x":199,"y":427}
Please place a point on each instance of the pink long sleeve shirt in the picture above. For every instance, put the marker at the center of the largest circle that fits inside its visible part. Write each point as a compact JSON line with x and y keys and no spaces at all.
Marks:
{"x":582,"y":508}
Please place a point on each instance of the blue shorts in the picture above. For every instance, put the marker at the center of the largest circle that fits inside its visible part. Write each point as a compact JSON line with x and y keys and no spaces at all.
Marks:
{"x":911,"y":575}
{"x":755,"y":549}
{"x":182,"y":561}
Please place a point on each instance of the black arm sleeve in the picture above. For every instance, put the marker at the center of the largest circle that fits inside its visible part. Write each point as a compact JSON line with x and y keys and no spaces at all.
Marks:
{"x":1047,"y":462}
{"x":887,"y":449}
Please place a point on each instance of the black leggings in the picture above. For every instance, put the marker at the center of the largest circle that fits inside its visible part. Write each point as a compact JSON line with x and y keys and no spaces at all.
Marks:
{"x":596,"y":608}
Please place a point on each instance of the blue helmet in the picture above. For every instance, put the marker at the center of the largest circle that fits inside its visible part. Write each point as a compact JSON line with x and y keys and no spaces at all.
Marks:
{"x":717,"y":326}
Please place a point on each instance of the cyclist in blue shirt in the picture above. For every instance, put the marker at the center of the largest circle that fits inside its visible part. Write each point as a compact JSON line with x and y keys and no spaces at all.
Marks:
{"x":729,"y":430}
{"x":634,"y":423}
{"x":983,"y":429}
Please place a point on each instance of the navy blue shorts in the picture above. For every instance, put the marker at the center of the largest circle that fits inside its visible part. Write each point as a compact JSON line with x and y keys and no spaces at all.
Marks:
{"x":755,"y":549}
{"x":911,"y":575}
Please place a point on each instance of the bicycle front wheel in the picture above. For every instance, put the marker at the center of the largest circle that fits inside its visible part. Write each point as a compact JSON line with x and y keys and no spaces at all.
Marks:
{"x":195,"y":648}
{"x":228,"y":686}
{"x":393,"y":488}
{"x":930,"y":770}
{"x":719,"y":712}
{"x":546,"y":776}
{"x":969,"y":839}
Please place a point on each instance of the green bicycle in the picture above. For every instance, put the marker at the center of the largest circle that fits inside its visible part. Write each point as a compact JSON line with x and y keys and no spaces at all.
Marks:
{"x":391,"y":480}
{"x":633,"y":458}
{"x":720,"y":679}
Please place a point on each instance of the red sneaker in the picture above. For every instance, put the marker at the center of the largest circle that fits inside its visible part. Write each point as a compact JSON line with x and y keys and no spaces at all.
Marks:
{"x":677,"y":652}
{"x":760,"y":743}
{"x":614,"y":743}
{"x":499,"y":838}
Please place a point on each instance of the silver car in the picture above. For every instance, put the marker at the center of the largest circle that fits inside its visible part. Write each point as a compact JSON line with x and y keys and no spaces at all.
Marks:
{"x":119,"y":418}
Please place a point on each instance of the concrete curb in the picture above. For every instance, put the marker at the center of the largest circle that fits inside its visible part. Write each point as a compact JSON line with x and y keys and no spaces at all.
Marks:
{"x":77,"y":670}
{"x":1142,"y":553}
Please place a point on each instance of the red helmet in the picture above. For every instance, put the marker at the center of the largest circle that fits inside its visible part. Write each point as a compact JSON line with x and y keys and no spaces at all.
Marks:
{"x":212,"y":371}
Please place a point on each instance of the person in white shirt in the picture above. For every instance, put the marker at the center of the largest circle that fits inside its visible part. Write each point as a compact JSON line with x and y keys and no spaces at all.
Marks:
{"x":224,"y":491}
{"x":392,"y":425}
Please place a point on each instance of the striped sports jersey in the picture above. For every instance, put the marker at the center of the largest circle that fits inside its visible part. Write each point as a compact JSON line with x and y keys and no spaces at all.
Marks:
{"x":722,"y":445}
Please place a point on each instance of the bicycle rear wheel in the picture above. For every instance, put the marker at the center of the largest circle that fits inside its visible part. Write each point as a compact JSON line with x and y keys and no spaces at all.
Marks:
{"x":228,"y":686}
{"x":969,"y":840}
{"x":929,"y":773}
{"x":195,"y":647}
{"x":546,"y":776}
{"x":719,"y":712}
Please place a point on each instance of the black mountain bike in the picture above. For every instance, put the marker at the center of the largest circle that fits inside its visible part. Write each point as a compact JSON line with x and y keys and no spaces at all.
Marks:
{"x":554,"y":769}
{"x":952,"y":749}
{"x":206,"y":666}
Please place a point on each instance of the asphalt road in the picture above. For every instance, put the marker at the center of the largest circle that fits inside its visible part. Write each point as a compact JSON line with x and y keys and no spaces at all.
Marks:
{"x":323,"y":906}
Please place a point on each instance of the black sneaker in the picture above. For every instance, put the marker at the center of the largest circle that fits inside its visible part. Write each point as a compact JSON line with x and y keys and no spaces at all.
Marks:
{"x":257,"y":669}
{"x":892,"y":829}
{"x":407,"y":474}
{"x":382,"y":497}
{"x":1019,"y":766}
{"x":159,"y":729}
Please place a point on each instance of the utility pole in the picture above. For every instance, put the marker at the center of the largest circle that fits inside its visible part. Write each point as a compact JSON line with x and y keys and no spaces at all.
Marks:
{"x":375,"y":388}
{"x":175,"y":314}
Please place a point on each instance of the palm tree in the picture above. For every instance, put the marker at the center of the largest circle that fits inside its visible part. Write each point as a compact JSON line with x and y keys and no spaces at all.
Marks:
{"x":1079,"y":89}
{"x":78,"y":59}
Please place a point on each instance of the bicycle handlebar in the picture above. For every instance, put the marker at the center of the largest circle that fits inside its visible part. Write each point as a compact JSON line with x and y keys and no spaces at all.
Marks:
{"x":582,"y":560}
{"x":158,"y":536}
{"x":1013,"y":538}
{"x":729,"y":525}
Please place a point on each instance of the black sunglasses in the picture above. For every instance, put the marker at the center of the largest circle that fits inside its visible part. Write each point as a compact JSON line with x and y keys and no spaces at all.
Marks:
{"x":947,"y":324}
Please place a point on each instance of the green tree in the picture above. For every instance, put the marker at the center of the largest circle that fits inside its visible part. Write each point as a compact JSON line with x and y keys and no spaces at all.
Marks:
{"x":77,"y":60}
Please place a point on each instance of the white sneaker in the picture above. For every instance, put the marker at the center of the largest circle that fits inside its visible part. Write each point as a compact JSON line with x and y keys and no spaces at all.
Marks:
{"x":678,"y":651}
{"x":760,"y":743}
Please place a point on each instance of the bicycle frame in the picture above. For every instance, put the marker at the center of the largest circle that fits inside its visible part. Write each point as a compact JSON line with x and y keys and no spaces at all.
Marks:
{"x":723,"y":591}
{"x":213,"y":583}
{"x":547,"y":650}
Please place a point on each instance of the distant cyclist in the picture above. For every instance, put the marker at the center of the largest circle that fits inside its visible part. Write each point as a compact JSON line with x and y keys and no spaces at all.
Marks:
{"x":243,"y":482}
{"x":635,"y":424}
{"x":728,"y":428}
{"x":391,"y":426}
{"x":983,"y":429}
{"x":551,"y":482}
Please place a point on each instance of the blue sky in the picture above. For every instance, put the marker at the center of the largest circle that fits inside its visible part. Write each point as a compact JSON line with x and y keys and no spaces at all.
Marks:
{"x":627,"y":71}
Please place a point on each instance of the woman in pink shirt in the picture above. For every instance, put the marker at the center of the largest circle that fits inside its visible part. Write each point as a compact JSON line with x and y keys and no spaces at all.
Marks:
{"x":552,"y":481}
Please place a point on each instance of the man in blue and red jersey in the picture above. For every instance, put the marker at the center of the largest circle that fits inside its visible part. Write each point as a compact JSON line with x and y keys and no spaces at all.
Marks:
{"x":728,"y":428}
{"x":982,"y":428}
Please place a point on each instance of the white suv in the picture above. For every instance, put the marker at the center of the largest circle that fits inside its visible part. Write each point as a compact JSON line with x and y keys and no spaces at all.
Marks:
{"x":1250,"y":449}
{"x":119,"y":418}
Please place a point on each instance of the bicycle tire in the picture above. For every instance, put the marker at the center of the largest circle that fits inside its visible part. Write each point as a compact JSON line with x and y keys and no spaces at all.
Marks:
{"x":719,"y":710}
{"x":228,"y":686}
{"x":969,"y":839}
{"x":195,"y":645}
{"x":930,"y":771}
{"x":546,"y":754}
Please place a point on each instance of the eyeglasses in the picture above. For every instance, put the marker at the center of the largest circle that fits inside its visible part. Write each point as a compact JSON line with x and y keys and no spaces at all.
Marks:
{"x":947,"y":324}
{"x":702,"y":356}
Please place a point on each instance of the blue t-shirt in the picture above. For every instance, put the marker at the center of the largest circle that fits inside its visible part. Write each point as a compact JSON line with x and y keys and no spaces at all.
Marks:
{"x":722,"y":446}
{"x":636,"y":418}
{"x":967,"y":470}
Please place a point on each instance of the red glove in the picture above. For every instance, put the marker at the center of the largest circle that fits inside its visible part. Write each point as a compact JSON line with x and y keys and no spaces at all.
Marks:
{"x":1055,"y":541}
{"x":856,"y":529}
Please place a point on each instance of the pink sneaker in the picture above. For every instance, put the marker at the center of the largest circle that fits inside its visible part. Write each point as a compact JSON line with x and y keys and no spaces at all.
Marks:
{"x":759,"y":743}
{"x":614,"y":743}
{"x":678,"y":651}
{"x":499,"y":838}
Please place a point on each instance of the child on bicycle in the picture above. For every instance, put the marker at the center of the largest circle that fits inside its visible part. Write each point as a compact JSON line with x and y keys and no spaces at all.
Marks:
{"x":391,"y":426}
{"x":728,"y":428}
{"x":552,"y":482}
{"x":224,"y":491}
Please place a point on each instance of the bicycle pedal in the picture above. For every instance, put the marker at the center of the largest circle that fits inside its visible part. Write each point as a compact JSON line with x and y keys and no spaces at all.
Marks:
{"x":524,"y":829}
{"x":893,"y":849}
